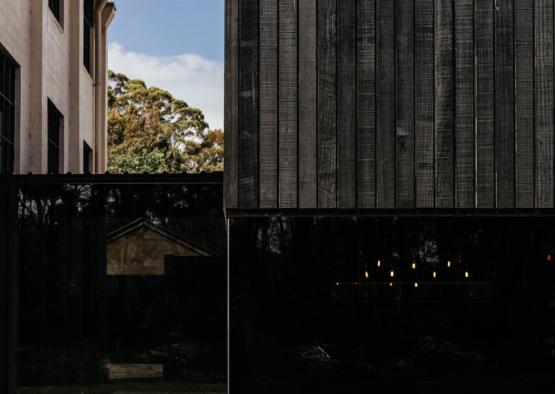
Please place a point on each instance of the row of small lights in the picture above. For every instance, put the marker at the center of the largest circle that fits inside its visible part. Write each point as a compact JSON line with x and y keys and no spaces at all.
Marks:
{"x":434,"y":273}
{"x":413,"y":267}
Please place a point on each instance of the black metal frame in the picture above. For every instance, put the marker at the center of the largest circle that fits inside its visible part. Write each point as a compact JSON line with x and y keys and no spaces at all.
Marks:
{"x":8,"y":69}
{"x":113,"y":179}
{"x":8,"y":289}
{"x":353,"y":213}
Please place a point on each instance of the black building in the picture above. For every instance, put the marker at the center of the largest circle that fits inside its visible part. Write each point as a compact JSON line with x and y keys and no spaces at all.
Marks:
{"x":389,"y":191}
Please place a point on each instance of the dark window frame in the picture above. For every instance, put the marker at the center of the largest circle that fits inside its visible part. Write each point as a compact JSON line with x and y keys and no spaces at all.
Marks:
{"x":55,"y":130}
{"x":8,"y":81}
{"x":88,"y":29}
{"x":57,"y":8}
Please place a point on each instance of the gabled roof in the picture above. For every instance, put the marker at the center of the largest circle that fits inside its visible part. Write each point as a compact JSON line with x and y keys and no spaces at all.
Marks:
{"x":160,"y":230}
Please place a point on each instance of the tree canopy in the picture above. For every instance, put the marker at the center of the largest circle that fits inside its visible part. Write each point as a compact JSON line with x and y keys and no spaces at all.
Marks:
{"x":150,"y":131}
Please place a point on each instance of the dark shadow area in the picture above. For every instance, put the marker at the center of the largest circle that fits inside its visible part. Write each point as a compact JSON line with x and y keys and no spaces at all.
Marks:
{"x":122,"y":286}
{"x":392,"y":304}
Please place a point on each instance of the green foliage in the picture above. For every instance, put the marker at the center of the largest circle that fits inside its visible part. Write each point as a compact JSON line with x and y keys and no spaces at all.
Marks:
{"x":150,"y":131}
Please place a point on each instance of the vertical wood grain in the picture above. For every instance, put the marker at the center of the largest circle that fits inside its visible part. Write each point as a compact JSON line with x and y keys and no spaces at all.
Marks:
{"x":445,"y":103}
{"x":248,"y":105}
{"x":424,"y":103}
{"x":346,"y":104}
{"x":231,"y":157}
{"x":366,"y":103}
{"x":543,"y":15}
{"x":269,"y":56}
{"x":484,"y":106}
{"x":524,"y":102}
{"x":464,"y":121}
{"x":504,"y":105}
{"x":288,"y":103}
{"x":385,"y":103}
{"x":327,"y":105}
{"x":308,"y":149}
{"x":404,"y":103}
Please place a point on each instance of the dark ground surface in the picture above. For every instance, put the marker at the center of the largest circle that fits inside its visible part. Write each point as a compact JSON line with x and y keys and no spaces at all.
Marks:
{"x":152,"y":387}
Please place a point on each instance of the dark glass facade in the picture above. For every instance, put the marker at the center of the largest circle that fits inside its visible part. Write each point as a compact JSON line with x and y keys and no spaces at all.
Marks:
{"x":387,"y":303}
{"x":121,"y":285}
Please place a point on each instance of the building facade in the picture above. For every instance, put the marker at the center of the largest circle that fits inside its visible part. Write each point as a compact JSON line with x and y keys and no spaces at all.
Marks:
{"x":389,"y":189}
{"x":53,"y":90}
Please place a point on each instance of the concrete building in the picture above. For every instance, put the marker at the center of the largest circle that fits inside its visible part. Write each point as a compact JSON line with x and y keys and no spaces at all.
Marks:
{"x":53,"y":92}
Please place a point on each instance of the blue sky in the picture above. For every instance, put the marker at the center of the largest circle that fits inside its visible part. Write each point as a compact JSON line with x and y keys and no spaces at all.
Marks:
{"x":177,"y":45}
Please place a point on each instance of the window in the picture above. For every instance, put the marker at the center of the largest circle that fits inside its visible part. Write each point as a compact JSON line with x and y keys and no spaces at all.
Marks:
{"x":87,"y":158}
{"x":7,"y":113}
{"x":55,"y":124}
{"x":56,"y":6}
{"x":88,"y":34}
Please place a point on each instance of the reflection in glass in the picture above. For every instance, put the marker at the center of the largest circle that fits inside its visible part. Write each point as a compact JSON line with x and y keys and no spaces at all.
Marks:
{"x":121,"y":286}
{"x":387,"y":304}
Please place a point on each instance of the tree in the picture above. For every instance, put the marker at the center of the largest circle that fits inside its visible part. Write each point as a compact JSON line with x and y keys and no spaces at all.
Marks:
{"x":150,"y":131}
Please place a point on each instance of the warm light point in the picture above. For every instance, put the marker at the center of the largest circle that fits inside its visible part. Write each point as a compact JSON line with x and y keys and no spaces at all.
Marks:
{"x":449,"y":264}
{"x":390,"y":284}
{"x":416,"y":285}
{"x":392,"y":274}
{"x":379,"y":263}
{"x":467,"y":274}
{"x":434,"y":274}
{"x":413,"y":266}
{"x":366,"y":275}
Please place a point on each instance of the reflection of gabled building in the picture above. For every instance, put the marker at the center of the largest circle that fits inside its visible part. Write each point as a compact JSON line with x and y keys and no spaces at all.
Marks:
{"x":140,"y":248}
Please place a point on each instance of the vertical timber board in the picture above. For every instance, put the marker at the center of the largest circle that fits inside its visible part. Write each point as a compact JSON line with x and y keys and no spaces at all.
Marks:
{"x":248,"y":105}
{"x":385,"y":85}
{"x":404,"y":104}
{"x":484,"y":104}
{"x":524,"y":102}
{"x":445,"y":103}
{"x":308,"y":88}
{"x":346,"y":104}
{"x":366,"y":103}
{"x":424,"y":103}
{"x":268,"y":104}
{"x":464,"y":121}
{"x":504,"y":105}
{"x":327,"y":105}
{"x":231,"y":104}
{"x":543,"y":16}
{"x":288,"y":103}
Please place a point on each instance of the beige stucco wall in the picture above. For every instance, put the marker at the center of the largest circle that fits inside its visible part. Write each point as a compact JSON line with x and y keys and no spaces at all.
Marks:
{"x":50,"y":57}
{"x":15,"y":39}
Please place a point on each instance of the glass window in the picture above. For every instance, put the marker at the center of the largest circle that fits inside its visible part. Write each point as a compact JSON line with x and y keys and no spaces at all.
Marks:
{"x":87,"y":158}
{"x":7,"y":112}
{"x":88,"y":23}
{"x":55,"y":125}
{"x":56,"y":6}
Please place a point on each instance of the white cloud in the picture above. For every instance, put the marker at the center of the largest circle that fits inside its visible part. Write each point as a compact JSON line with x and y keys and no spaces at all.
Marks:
{"x":189,"y":77}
